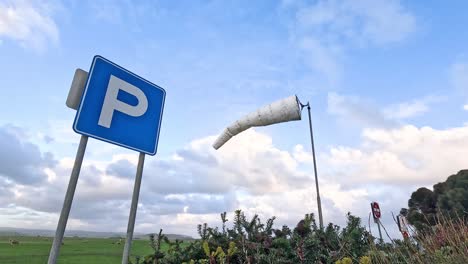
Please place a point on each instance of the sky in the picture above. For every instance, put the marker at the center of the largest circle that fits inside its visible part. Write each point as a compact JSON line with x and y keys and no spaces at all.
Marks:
{"x":387,"y":82}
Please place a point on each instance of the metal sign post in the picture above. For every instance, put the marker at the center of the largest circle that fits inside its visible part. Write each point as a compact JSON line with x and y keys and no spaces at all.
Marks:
{"x":376,"y":213}
{"x":133,"y":209}
{"x":380,"y":231}
{"x":132,"y":120}
{"x":54,"y":251}
{"x":403,"y":226}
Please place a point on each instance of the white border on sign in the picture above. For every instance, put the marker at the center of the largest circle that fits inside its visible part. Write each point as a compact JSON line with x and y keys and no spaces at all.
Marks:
{"x":108,"y":140}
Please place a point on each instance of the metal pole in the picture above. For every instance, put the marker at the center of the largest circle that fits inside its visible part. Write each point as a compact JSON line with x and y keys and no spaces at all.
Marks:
{"x":133,"y":209}
{"x":380,"y":232}
{"x":319,"y":203}
{"x":67,"y":203}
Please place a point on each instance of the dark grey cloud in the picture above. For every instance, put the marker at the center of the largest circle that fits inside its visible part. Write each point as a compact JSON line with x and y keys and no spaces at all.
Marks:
{"x":5,"y":191}
{"x":196,"y":174}
{"x":193,"y":203}
{"x":20,"y":160}
{"x":190,"y":155}
{"x":48,"y":139}
{"x":180,"y":181}
{"x":46,"y":198}
{"x":91,"y":175}
{"x":99,"y":210}
{"x":199,"y":204}
{"x":122,"y":168}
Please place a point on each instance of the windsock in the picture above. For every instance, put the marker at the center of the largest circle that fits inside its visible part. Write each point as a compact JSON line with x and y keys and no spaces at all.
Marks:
{"x":285,"y":110}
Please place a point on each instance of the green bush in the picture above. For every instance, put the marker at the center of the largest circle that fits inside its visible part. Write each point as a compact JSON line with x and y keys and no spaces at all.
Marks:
{"x":253,"y":241}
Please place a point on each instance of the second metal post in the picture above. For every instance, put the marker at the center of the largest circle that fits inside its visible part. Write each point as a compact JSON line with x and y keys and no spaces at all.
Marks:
{"x":133,"y":209}
{"x":67,"y":203}
{"x":380,"y":232}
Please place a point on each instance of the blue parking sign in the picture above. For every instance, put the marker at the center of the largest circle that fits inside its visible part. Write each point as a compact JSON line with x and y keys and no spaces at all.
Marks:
{"x":120,"y":107}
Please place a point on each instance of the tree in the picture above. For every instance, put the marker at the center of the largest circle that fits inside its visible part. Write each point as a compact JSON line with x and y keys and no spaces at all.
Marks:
{"x":449,"y":198}
{"x":453,"y":194}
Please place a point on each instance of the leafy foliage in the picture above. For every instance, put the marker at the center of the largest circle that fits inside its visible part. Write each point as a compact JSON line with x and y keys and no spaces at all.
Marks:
{"x":155,"y":243}
{"x":441,"y":236}
{"x":252,"y":241}
{"x":449,"y":198}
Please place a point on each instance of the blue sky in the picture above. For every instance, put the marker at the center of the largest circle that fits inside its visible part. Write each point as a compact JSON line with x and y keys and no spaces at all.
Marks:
{"x":387,"y":81}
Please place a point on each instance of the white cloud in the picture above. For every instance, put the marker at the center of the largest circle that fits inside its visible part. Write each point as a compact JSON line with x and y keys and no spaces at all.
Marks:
{"x":249,"y":162}
{"x":358,"y":110}
{"x":249,"y":172}
{"x":389,"y":165}
{"x":363,"y":21}
{"x":364,"y":112}
{"x":22,"y":161}
{"x":465,"y":107}
{"x":411,"y":109}
{"x":324,"y":30}
{"x":322,"y":58}
{"x":29,"y":22}
{"x":403,"y":156}
{"x":406,"y":110}
{"x":196,"y":183}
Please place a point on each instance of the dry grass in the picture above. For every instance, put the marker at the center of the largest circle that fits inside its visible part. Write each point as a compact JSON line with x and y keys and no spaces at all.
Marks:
{"x":446,"y":242}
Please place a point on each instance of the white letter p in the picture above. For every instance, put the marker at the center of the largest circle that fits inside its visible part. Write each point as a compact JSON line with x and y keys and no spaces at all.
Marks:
{"x":111,"y":103}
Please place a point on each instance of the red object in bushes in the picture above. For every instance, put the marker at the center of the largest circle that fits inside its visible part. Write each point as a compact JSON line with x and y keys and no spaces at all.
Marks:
{"x":375,"y":210}
{"x":405,"y":234}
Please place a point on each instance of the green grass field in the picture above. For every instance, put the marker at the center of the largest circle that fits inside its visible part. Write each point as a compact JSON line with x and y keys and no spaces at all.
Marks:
{"x":35,"y":250}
